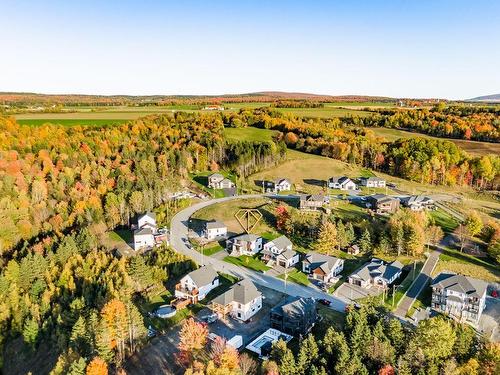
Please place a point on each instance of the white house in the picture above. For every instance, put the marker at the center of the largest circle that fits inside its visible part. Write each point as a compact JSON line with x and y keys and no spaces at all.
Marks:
{"x":214,"y":229}
{"x":145,"y":230}
{"x":245,"y":244}
{"x":375,"y":182}
{"x":463,"y":298}
{"x":376,"y":273}
{"x":197,"y":284}
{"x":279,"y":252}
{"x":322,"y":267}
{"x":342,"y":183}
{"x":279,"y":185}
{"x":218,"y":181}
{"x":417,"y":202}
{"x":242,"y":301}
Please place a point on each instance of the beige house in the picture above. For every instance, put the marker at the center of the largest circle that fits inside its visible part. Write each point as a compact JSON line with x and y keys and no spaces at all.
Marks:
{"x":241,"y":302}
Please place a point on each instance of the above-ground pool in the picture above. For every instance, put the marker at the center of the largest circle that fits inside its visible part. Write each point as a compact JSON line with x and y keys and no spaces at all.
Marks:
{"x":165,"y":311}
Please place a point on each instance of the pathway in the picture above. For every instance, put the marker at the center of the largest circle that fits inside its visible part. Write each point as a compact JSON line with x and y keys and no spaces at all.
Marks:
{"x":179,"y":239}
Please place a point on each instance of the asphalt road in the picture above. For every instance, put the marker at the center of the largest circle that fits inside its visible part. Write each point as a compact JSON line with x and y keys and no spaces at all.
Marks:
{"x":179,"y":241}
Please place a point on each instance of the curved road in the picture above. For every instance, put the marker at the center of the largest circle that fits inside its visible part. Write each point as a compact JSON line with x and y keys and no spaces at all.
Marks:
{"x":179,"y":241}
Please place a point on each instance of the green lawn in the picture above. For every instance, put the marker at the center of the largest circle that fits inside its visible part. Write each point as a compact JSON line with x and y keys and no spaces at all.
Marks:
{"x":209,"y":251}
{"x":225,"y":282}
{"x":406,"y":283}
{"x":201,"y":180}
{"x":121,"y":235}
{"x":329,"y":318}
{"x":247,"y":261}
{"x":297,"y":277}
{"x":443,"y":219}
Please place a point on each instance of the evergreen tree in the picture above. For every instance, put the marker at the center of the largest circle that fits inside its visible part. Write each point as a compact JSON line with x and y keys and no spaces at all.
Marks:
{"x":394,"y":332}
{"x":77,"y":367}
{"x":365,"y":242}
{"x":327,"y":239}
{"x":30,"y":332}
{"x":284,"y":358}
{"x":79,"y":337}
{"x":308,"y":354}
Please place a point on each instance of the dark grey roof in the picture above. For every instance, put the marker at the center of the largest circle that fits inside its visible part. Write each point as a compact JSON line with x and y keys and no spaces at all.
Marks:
{"x":380,"y":198}
{"x":317,"y":260}
{"x":215,"y":224}
{"x":339,"y":180}
{"x":295,"y":305}
{"x":281,"y":242}
{"x":288,"y":253}
{"x":242,"y":292}
{"x":203,"y":275}
{"x":281,"y":180}
{"x":142,"y":231}
{"x":460,"y":283}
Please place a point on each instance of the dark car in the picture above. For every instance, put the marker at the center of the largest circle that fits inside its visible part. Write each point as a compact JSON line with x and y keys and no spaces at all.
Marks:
{"x":324,"y":302}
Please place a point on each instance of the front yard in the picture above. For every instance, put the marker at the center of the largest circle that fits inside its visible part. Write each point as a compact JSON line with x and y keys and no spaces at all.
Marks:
{"x":254,"y":263}
{"x":296,"y":276}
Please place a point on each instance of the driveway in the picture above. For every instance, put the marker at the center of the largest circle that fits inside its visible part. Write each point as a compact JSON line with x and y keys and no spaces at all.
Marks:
{"x":488,"y":324}
{"x":352,"y":293}
{"x":179,"y":234}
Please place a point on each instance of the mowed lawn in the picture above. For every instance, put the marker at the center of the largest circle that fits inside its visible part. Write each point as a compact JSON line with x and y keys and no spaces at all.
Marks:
{"x":249,"y":134}
{"x":472,"y":147}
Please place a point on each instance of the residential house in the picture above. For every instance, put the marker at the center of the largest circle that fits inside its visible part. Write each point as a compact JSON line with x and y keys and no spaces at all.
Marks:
{"x":218,"y":181}
{"x":311,"y":202}
{"x":353,"y":250}
{"x":374,"y":182}
{"x":461,"y":297}
{"x":279,"y":185}
{"x":295,"y":315}
{"x":342,"y":183}
{"x":382,"y":203}
{"x":417,"y":202}
{"x":279,"y":252}
{"x":376,"y":273}
{"x":146,"y":233}
{"x":242,"y":301}
{"x":322,"y":267}
{"x":214,"y":229}
{"x":245,"y":244}
{"x":197,"y":284}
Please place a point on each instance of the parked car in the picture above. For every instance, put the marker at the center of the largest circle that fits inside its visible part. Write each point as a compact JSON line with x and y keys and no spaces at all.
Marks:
{"x":212,"y":318}
{"x":324,"y":302}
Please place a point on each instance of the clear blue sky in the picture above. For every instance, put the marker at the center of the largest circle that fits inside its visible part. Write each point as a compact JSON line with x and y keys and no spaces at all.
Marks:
{"x":448,"y":49}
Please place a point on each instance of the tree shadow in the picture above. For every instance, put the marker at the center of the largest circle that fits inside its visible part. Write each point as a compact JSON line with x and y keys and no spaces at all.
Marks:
{"x":315,"y":182}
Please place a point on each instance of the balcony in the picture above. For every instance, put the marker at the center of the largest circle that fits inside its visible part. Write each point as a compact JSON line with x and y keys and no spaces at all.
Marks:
{"x":193,"y":292}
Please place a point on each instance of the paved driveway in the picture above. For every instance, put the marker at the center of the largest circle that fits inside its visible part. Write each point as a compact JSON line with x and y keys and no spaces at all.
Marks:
{"x":179,"y":234}
{"x":350,"y":292}
{"x":488,"y":324}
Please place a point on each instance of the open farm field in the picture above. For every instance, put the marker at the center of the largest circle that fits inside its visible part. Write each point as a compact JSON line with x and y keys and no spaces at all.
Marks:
{"x":472,"y":147}
{"x":249,"y":134}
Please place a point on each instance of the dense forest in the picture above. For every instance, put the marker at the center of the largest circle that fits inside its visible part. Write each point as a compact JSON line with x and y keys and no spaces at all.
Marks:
{"x":61,"y":189}
{"x":461,"y":122}
{"x":424,"y":160}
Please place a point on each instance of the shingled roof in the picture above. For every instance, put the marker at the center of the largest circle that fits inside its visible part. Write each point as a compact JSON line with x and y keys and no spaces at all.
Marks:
{"x":461,"y":284}
{"x":242,"y":292}
{"x":317,"y":260}
{"x":203,"y":276}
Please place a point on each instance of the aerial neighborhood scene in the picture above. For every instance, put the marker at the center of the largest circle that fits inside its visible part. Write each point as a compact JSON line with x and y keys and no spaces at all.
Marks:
{"x":246,"y":188}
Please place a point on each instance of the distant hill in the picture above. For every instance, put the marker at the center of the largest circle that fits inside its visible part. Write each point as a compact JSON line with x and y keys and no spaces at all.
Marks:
{"x":495,"y":98}
{"x":18,"y":98}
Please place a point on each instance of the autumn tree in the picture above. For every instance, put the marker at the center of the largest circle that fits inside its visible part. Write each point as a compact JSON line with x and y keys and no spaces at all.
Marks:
{"x":327,"y":238}
{"x":97,"y":367}
{"x":193,"y":337}
{"x":473,"y":223}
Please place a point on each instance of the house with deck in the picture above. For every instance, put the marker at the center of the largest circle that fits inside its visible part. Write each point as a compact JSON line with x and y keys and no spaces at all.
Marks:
{"x":146,"y":233}
{"x":372,"y":182}
{"x":342,"y":183}
{"x":242,"y":301}
{"x":382,"y":204}
{"x":417,"y":202}
{"x":244,"y":244}
{"x":295,"y":315}
{"x":279,"y":185}
{"x":312,"y":202}
{"x":214,"y":229}
{"x":322,"y":267}
{"x":197,"y":284}
{"x":279,"y":252}
{"x":462,"y":298}
{"x":376,"y":273}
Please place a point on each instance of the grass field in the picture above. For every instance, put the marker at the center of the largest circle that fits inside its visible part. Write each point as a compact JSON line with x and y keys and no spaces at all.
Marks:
{"x":472,"y":147}
{"x":252,"y":263}
{"x":443,"y":219}
{"x":468,"y":265}
{"x":249,"y":134}
{"x":72,"y":122}
{"x":225,"y":212}
{"x":296,"y":276}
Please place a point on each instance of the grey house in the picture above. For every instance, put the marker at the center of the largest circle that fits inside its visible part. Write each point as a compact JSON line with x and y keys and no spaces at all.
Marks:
{"x":295,"y":316}
{"x":461,"y":297}
{"x":376,"y":273}
{"x":311,"y":202}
